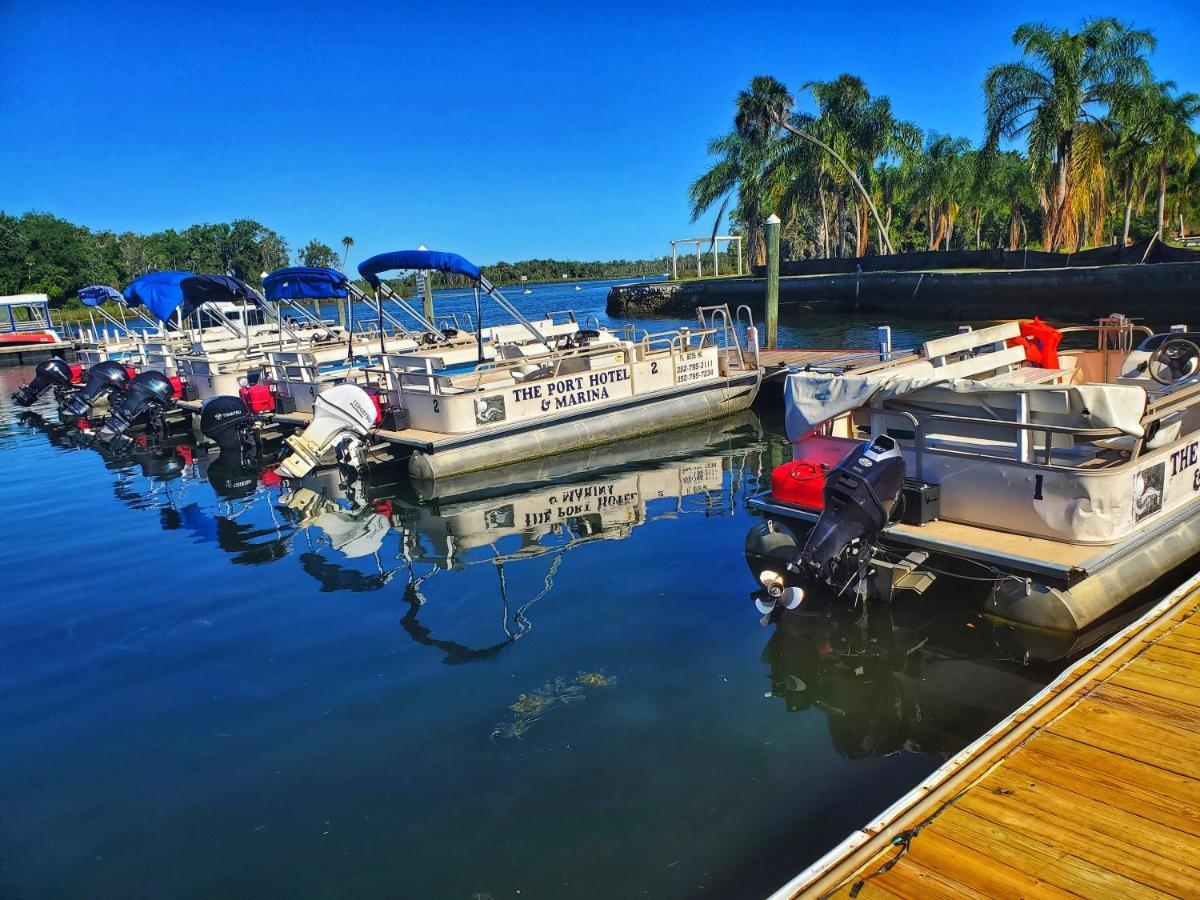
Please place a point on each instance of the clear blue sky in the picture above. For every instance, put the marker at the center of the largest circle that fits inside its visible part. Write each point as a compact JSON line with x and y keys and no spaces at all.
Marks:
{"x":502,"y":131}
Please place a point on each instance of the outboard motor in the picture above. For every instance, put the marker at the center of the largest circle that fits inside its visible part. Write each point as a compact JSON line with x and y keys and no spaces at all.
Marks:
{"x":228,"y":423}
{"x":104,"y":378}
{"x":149,"y":392}
{"x":342,"y":416}
{"x":53,"y":373}
{"x":860,"y":494}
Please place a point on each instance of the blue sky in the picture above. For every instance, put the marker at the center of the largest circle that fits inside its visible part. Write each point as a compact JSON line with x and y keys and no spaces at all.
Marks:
{"x":502,"y":131}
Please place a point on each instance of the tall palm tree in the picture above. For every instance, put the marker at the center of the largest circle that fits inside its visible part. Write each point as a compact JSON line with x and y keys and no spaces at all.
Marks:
{"x":738,"y":177}
{"x":1166,"y":120}
{"x":1057,"y":90}
{"x":766,"y":108}
{"x":347,"y":243}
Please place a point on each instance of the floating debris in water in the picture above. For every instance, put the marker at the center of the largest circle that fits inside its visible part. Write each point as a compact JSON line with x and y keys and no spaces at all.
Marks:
{"x":534,"y":705}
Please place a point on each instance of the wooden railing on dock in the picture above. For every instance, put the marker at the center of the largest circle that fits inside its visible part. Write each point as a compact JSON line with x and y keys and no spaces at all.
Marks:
{"x":1091,"y":789}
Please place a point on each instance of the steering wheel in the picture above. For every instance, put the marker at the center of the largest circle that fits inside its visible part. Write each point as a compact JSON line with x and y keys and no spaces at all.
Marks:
{"x":1178,"y":356}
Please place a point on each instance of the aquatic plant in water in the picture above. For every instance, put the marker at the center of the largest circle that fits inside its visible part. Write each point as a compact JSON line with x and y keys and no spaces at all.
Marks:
{"x":534,"y":705}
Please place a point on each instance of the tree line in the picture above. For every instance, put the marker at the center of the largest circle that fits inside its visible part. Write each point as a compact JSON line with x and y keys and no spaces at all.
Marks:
{"x":1082,"y":147}
{"x":41,"y":253}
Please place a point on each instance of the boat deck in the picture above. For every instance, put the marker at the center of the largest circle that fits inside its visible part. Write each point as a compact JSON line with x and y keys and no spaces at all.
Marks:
{"x":1092,"y":789}
{"x":1033,"y":555}
{"x":775,"y":363}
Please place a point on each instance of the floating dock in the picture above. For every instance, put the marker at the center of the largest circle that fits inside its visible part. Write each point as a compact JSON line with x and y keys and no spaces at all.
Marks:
{"x":16,"y":356}
{"x":1092,"y":788}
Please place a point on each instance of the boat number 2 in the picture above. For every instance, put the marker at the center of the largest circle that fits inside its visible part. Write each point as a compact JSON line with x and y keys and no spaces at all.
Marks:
{"x":653,"y":368}
{"x":436,"y":406}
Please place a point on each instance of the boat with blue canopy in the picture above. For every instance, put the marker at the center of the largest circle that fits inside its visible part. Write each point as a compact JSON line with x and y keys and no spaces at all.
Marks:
{"x":537,"y":395}
{"x":410,"y":340}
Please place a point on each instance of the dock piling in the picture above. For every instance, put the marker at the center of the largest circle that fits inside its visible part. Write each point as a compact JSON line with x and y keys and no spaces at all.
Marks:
{"x":772,"y":234}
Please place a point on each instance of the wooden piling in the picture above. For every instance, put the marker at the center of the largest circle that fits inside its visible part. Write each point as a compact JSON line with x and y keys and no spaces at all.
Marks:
{"x":772,"y":234}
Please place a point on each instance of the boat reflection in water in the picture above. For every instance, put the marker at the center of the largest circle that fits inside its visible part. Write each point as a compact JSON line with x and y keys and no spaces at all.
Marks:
{"x":539,"y":510}
{"x":924,"y":674}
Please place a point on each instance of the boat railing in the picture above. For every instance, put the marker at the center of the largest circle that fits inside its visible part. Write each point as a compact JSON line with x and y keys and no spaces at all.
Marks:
{"x":435,"y":382}
{"x":924,"y":424}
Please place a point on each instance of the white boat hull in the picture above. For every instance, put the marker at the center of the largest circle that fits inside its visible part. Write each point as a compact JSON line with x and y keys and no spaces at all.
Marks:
{"x":601,"y":425}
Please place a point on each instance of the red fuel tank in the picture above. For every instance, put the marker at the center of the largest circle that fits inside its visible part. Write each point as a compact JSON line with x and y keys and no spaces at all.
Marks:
{"x":801,"y":482}
{"x":258,"y":398}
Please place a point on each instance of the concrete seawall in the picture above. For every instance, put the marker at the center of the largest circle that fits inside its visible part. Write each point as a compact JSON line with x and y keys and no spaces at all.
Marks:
{"x":1162,"y":294}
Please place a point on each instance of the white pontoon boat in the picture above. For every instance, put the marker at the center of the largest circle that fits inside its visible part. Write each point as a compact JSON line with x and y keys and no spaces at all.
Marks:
{"x":1072,"y":475}
{"x":539,"y":398}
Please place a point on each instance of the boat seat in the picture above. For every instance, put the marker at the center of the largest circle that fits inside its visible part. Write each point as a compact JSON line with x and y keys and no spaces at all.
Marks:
{"x":1029,"y":375}
{"x":1167,"y":433}
{"x":529,"y":372}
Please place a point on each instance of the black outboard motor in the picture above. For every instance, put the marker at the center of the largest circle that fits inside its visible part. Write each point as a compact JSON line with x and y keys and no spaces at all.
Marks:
{"x":53,"y":373}
{"x":149,"y":392}
{"x":228,"y":423}
{"x":108,"y":377}
{"x":859,"y":496}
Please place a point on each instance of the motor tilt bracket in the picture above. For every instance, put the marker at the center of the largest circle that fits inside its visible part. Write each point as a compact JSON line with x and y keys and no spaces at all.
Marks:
{"x":886,"y":578}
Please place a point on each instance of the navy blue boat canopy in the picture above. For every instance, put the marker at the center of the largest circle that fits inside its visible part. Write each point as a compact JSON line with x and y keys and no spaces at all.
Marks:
{"x":305,"y":283}
{"x":416,"y":259}
{"x":96,"y":294}
{"x":164,"y":292}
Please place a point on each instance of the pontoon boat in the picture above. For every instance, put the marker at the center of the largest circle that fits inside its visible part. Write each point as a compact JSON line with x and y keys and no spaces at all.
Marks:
{"x":1067,"y":476}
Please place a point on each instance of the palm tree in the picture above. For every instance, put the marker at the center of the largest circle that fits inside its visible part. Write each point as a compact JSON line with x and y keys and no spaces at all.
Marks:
{"x":738,"y":176}
{"x":1166,"y":121}
{"x":347,"y":243}
{"x":766,"y":108}
{"x":1055,"y":93}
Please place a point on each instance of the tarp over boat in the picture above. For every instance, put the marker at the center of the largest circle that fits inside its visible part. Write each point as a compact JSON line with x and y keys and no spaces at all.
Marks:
{"x":425,"y":260}
{"x":162,"y":293}
{"x":306,"y":283}
{"x":98,"y":294}
{"x":813,"y":398}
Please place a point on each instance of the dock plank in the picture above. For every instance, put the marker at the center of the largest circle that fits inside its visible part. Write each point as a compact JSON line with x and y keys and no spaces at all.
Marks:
{"x":1090,"y":790}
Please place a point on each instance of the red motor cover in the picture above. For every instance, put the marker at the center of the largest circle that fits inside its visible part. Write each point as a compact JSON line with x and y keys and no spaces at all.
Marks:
{"x":801,"y":482}
{"x":76,"y":373}
{"x":131,"y":372}
{"x":258,"y":398}
{"x":1040,"y":342}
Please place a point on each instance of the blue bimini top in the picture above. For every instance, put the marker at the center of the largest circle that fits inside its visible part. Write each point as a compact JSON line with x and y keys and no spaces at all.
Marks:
{"x":164,"y":292}
{"x":96,"y":294}
{"x":305,"y":283}
{"x":417,"y":259}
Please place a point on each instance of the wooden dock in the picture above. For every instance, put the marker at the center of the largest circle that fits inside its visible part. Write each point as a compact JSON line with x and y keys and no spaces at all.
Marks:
{"x":16,"y":356}
{"x":775,"y":363}
{"x":1092,"y":789}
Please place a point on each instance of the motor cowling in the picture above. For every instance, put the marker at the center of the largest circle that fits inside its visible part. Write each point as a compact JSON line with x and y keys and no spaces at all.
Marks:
{"x":52,"y":373}
{"x":859,"y":497}
{"x":860,"y":494}
{"x":227,"y":422}
{"x":149,"y":392}
{"x":104,"y":378}
{"x":342,"y":417}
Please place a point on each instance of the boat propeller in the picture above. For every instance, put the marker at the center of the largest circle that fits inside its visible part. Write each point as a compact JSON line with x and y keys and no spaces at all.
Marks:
{"x":104,"y":378}
{"x":149,"y":392}
{"x":342,"y":417}
{"x":53,"y":373}
{"x":860,"y":495}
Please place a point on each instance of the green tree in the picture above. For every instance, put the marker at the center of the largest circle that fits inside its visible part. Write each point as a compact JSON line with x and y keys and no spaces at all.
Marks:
{"x":1059,"y":90}
{"x":347,"y":243}
{"x":316,"y":253}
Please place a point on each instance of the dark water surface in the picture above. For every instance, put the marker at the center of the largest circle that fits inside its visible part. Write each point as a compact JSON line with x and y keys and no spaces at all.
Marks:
{"x":551,"y":683}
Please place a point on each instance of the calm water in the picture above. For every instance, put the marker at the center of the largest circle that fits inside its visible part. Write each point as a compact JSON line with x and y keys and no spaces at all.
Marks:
{"x":549,"y":681}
